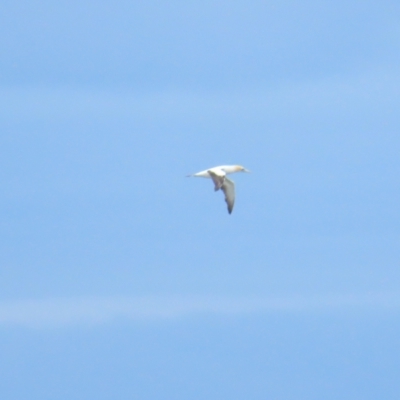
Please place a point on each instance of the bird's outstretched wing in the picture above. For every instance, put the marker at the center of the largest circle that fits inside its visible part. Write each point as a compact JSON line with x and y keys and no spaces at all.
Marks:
{"x":217,"y":179}
{"x":228,"y":187}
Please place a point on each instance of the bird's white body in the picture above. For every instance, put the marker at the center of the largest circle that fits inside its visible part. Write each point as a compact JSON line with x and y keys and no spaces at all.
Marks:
{"x":222,"y":170}
{"x":218,"y":175}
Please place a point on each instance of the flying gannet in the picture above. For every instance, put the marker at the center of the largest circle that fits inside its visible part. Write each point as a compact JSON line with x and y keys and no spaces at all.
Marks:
{"x":221,"y":181}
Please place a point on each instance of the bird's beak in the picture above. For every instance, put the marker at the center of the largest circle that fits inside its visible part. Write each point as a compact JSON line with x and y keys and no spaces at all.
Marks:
{"x":246,"y":170}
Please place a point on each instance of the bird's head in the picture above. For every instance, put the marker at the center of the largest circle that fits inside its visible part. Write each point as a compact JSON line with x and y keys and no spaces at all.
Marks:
{"x":239,"y":168}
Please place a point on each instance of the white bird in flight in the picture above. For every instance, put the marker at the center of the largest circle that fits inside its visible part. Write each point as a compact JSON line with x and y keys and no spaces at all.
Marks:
{"x":221,"y":181}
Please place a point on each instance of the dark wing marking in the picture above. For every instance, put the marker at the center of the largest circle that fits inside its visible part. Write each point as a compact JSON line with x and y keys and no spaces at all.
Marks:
{"x":218,"y":180}
{"x":228,"y":187}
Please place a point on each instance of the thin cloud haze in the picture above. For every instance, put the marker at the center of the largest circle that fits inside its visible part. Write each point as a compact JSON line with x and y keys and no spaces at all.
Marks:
{"x":370,"y":88}
{"x":100,"y":310}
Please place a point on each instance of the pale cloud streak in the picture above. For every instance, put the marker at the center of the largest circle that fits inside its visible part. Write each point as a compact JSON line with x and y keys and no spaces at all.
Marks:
{"x":377,"y":88}
{"x":57,"y":313}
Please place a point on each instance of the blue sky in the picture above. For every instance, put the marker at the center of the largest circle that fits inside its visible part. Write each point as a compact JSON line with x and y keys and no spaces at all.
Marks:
{"x":121,"y":278}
